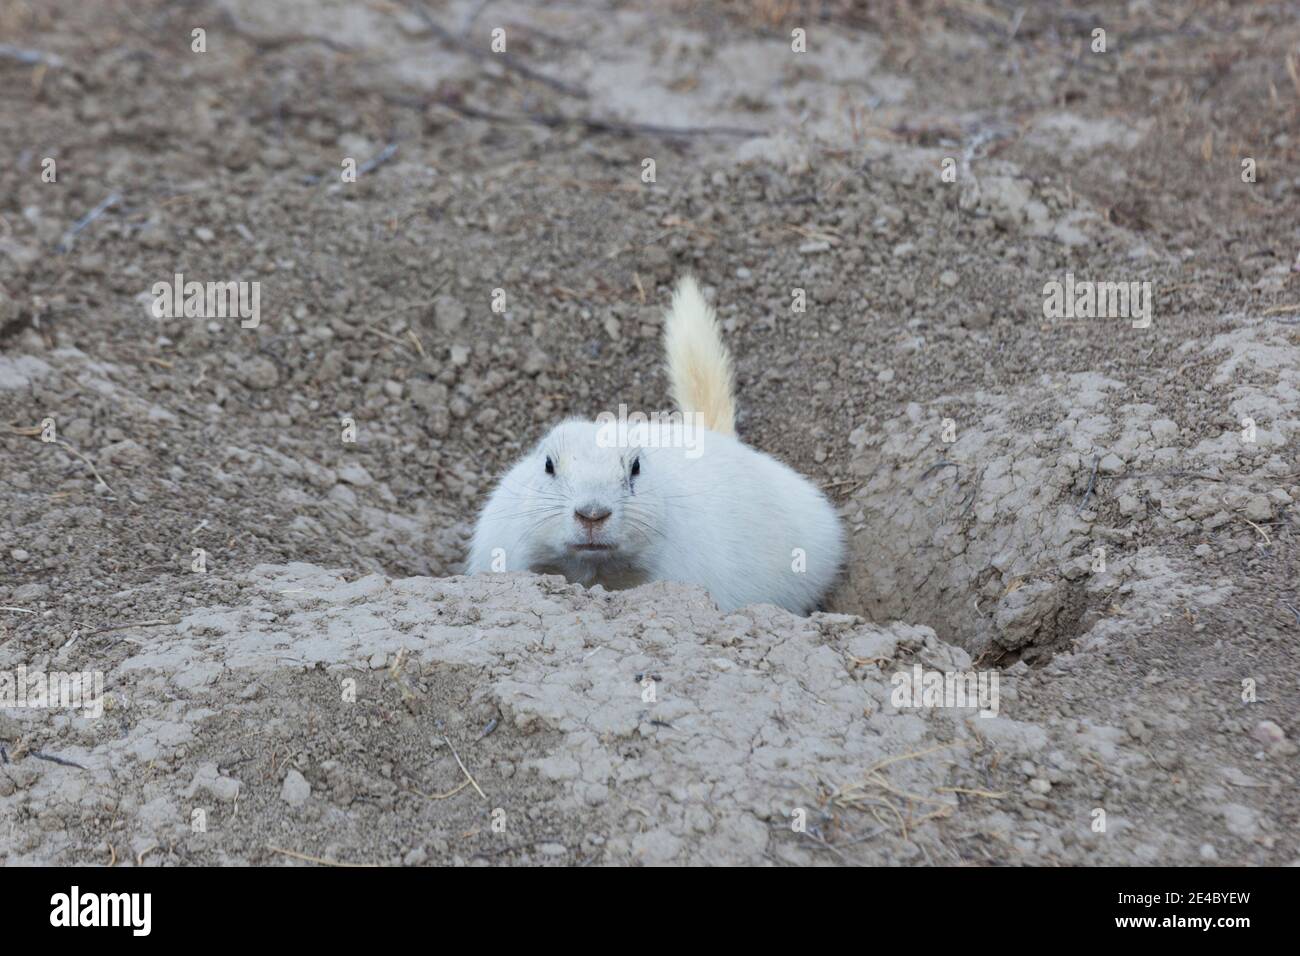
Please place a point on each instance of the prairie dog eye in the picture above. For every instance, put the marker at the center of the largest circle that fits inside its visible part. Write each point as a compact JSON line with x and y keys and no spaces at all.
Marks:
{"x":550,"y":466}
{"x":636,"y":467}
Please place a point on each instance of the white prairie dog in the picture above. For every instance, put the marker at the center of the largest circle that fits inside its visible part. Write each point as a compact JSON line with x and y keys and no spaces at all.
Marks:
{"x":682,"y":501}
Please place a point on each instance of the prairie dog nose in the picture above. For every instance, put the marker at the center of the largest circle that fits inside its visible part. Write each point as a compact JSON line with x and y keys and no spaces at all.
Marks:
{"x":591,"y":516}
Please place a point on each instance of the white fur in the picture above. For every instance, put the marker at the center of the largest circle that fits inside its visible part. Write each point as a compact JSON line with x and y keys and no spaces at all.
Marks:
{"x":699,"y":366}
{"x":705,"y":509}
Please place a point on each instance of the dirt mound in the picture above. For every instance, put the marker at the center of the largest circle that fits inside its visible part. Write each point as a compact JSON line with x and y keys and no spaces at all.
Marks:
{"x":1015,"y":522}
{"x":520,"y":719}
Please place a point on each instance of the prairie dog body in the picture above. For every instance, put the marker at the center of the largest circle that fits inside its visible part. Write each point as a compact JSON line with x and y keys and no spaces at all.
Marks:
{"x":679,"y":501}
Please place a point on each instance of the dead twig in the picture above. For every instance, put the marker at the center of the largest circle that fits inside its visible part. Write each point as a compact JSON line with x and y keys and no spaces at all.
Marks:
{"x":89,"y":463}
{"x":1190,"y":474}
{"x":316,"y":859}
{"x":262,"y":41}
{"x":859,"y":795}
{"x":490,"y":854}
{"x":1096,"y":462}
{"x":591,"y":124}
{"x":1263,"y":534}
{"x":471,"y":17}
{"x":65,"y":244}
{"x":463,"y":770}
{"x":139,"y":857}
{"x":123,"y":627}
{"x":820,"y":841}
{"x":371,"y":164}
{"x":390,"y":338}
{"x":442,"y":796}
{"x":974,"y":491}
{"x":29,"y":57}
{"x":506,"y":60}
{"x":418,"y":344}
{"x":942,"y":463}
{"x":989,"y":794}
{"x":61,"y":761}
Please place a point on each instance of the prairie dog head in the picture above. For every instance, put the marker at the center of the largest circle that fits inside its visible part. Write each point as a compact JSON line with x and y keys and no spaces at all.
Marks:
{"x":586,"y":500}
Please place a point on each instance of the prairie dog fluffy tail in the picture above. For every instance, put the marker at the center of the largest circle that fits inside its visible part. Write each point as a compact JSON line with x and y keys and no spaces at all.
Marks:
{"x":699,"y":366}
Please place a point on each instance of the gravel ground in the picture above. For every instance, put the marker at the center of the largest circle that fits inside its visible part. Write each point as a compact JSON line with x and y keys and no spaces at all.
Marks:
{"x":1099,"y":511}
